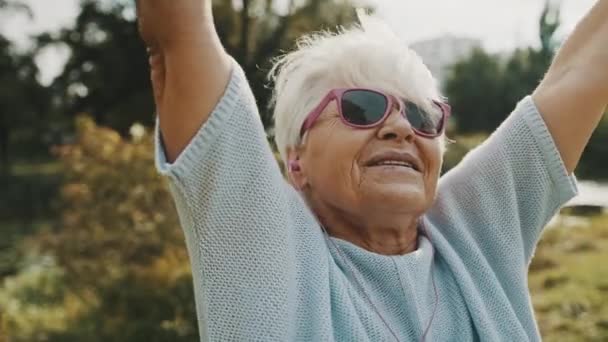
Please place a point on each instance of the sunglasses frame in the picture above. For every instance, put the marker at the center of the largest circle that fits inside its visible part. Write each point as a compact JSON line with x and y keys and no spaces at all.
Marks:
{"x":338,"y":93}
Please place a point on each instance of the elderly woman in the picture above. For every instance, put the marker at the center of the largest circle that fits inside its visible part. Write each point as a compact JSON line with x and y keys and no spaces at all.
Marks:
{"x":364,"y":242}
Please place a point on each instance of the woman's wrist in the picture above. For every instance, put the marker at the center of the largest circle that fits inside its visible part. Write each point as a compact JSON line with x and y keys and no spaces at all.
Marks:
{"x":167,"y":25}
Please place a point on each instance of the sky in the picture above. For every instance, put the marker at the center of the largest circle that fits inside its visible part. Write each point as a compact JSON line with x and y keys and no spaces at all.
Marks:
{"x":501,"y":25}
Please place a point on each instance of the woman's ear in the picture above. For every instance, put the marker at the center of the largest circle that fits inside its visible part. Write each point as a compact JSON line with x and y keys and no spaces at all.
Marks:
{"x":295,"y":170}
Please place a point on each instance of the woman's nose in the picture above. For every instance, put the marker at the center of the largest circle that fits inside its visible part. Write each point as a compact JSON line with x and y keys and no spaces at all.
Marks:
{"x":396,"y":126}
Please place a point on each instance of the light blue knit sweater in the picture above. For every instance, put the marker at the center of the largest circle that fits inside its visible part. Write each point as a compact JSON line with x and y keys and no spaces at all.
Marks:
{"x":263,"y":270}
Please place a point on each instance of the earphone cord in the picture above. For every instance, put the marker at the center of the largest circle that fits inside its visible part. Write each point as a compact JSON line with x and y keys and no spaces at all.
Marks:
{"x":362,"y":289}
{"x":354,"y":276}
{"x":428,"y":327}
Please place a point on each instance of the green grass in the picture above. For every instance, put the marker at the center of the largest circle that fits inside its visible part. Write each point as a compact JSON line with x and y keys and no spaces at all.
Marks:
{"x":569,"y":282}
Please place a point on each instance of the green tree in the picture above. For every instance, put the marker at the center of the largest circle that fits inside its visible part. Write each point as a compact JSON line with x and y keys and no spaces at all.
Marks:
{"x":475,"y":92}
{"x":107,"y":72}
{"x":23,"y":101}
{"x":259,"y":31}
{"x":526,"y":67}
{"x":484,"y":88}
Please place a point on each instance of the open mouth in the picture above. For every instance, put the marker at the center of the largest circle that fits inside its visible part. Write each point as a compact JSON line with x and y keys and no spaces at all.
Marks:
{"x":398,"y":159}
{"x":395,"y":163}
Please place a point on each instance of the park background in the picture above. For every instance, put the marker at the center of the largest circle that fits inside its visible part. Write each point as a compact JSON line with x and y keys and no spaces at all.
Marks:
{"x":90,"y":246}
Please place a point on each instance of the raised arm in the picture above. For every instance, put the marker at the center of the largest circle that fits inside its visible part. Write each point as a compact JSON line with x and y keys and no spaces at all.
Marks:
{"x":574,"y":93}
{"x":189,"y":67}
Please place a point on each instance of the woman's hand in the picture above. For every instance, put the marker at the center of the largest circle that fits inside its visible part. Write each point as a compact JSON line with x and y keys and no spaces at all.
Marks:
{"x":574,"y":93}
{"x":189,"y":67}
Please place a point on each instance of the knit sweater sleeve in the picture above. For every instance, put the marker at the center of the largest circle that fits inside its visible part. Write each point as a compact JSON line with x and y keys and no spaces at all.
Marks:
{"x":236,"y":211}
{"x":503,"y":193}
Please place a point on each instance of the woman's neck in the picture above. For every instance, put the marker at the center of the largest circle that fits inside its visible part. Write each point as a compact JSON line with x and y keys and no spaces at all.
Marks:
{"x":381,"y":234}
{"x":389,"y":242}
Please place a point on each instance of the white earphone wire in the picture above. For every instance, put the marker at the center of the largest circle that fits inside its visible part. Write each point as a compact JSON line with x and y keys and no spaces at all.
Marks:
{"x":368,"y":299}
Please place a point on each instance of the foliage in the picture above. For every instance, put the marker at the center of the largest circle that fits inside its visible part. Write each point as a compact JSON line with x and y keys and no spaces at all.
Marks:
{"x":107,"y":72}
{"x":22,"y":100}
{"x":255,"y":39}
{"x":118,"y":262}
{"x":483,"y":89}
{"x":25,"y":319}
{"x":475,"y":93}
{"x":121,"y":271}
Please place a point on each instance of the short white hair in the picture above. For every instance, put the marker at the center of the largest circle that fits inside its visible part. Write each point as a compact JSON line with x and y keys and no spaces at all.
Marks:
{"x":367,"y":55}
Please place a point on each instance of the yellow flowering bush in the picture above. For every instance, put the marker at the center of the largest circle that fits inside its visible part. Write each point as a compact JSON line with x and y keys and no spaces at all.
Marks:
{"x":120,"y":268}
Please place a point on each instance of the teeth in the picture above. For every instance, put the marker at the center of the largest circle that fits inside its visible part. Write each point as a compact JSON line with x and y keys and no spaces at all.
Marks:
{"x":397,"y":163}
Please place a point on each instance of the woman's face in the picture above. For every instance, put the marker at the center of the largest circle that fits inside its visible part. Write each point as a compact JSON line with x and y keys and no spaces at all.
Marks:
{"x":364,"y":171}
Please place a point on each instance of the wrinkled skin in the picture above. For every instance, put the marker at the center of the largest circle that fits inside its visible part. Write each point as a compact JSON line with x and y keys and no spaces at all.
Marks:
{"x":376,"y":207}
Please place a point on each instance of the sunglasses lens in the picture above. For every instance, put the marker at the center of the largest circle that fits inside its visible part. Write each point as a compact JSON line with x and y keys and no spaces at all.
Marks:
{"x":363,"y":107}
{"x":423,"y":120}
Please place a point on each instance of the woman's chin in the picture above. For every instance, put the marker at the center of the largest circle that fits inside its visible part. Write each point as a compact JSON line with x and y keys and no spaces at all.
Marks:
{"x":398,"y":192}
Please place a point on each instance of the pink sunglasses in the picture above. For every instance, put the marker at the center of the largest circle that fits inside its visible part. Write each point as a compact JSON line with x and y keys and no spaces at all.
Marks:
{"x":367,"y":108}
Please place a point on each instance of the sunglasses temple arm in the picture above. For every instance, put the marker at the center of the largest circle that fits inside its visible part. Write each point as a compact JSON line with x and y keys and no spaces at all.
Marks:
{"x":315,"y":113}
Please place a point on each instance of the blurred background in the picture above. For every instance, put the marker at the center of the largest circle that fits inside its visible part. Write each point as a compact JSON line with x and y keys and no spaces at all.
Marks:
{"x":90,"y":247}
